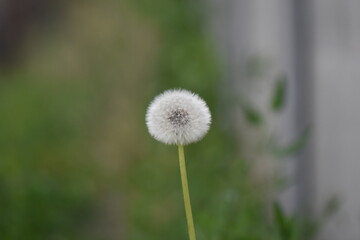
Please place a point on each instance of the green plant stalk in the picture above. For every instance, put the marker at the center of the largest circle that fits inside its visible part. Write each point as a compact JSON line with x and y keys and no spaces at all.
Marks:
{"x":185,"y":188}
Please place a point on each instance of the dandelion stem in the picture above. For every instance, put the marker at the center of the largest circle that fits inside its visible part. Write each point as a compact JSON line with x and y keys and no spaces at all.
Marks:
{"x":185,"y":187}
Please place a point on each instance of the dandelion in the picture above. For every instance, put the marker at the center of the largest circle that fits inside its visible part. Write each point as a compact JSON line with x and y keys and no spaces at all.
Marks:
{"x":179,"y":117}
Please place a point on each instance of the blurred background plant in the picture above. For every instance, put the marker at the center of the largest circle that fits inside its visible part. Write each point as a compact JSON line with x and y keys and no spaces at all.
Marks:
{"x":76,"y":161}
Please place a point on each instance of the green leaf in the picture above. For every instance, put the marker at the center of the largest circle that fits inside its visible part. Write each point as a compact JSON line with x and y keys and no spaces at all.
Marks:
{"x":293,"y":147}
{"x":278,"y":99}
{"x":252,"y":115}
{"x":281,"y":222}
{"x":255,"y":67}
{"x":331,"y":206}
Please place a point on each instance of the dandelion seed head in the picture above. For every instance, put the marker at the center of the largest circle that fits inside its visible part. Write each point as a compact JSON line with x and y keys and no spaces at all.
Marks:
{"x":178,"y":117}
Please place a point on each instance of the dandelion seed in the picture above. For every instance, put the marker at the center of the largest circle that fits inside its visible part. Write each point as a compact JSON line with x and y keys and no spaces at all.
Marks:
{"x":178,"y":117}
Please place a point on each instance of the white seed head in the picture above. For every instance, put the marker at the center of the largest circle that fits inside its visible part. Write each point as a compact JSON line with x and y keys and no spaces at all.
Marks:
{"x":178,"y":117}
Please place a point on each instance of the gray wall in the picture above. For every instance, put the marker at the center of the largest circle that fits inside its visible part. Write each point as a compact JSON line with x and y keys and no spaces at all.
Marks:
{"x":337,"y":113}
{"x":317,"y":45}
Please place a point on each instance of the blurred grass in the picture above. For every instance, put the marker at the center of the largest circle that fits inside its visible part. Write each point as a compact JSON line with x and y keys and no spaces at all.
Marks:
{"x":76,"y":159}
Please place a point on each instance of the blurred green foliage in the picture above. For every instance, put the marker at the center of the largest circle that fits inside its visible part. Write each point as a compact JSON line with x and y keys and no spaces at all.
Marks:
{"x":46,"y":190}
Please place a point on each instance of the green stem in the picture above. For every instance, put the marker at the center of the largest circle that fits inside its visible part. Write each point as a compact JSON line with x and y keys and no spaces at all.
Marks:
{"x":185,"y":187}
